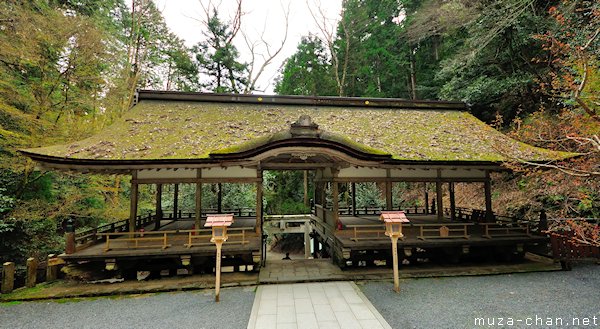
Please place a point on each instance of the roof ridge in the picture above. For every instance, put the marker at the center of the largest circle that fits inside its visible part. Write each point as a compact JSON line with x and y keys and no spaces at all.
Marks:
{"x":301,"y":100}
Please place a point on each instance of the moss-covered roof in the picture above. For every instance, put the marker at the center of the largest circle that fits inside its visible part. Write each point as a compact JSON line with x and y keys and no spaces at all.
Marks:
{"x":175,"y":129}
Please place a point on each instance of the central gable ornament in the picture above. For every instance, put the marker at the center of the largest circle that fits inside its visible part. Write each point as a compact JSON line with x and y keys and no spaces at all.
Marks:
{"x":304,"y":127}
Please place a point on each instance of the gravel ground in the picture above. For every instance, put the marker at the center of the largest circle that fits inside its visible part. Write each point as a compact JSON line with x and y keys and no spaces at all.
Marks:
{"x":423,"y":303}
{"x":168,"y":310}
{"x":456,"y":302}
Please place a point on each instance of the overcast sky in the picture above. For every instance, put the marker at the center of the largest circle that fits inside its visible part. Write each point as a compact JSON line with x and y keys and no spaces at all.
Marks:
{"x":182,"y":17}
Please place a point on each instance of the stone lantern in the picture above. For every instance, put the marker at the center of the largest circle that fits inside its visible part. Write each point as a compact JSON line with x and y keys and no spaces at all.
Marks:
{"x":219,"y":224}
{"x":393,"y":228}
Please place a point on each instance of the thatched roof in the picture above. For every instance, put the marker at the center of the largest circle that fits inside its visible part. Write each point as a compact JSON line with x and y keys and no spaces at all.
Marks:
{"x":175,"y":126}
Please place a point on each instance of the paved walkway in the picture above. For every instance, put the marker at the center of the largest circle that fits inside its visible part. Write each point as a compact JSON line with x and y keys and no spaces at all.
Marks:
{"x":320,"y":270}
{"x":327,"y":305}
{"x":300,"y":270}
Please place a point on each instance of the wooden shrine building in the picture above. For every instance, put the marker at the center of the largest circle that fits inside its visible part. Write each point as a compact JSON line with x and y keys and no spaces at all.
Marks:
{"x":199,"y":138}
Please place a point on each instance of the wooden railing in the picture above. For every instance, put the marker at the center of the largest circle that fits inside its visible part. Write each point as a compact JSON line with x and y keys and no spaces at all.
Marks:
{"x":237,"y":212}
{"x":347,"y":211}
{"x":367,"y":232}
{"x":468,"y":214}
{"x":166,"y":239}
{"x":443,"y":231}
{"x":491,"y":230}
{"x":86,"y":238}
{"x":138,"y":240}
{"x":325,"y":214}
{"x":206,"y":234}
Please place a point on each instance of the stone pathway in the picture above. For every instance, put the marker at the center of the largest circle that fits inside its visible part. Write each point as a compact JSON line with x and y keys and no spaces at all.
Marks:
{"x":314,"y":305}
{"x":321,"y":270}
{"x":300,"y":270}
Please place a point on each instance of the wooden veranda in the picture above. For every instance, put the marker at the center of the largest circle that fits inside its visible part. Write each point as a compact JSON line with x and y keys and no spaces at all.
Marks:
{"x":172,"y":138}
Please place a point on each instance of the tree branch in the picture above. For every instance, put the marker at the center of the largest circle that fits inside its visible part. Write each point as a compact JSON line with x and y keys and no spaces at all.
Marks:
{"x":268,"y":59}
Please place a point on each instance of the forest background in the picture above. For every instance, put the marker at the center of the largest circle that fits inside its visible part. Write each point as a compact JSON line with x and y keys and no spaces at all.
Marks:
{"x":68,"y":68}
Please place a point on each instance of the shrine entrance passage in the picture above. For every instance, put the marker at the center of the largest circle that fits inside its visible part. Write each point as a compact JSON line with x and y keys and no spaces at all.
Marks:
{"x":281,"y":225}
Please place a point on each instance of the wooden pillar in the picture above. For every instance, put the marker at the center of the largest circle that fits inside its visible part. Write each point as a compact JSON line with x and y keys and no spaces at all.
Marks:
{"x":306,"y":201}
{"x":452,"y":201}
{"x":51,"y":268}
{"x":487,"y":186}
{"x":219,"y":244}
{"x":259,"y":202}
{"x":198,"y":219}
{"x":219,"y":198}
{"x":336,"y":204}
{"x":353,"y":199}
{"x":307,"y":239}
{"x":8,"y":277}
{"x":438,"y":192}
{"x":322,"y":195}
{"x":32,"y":265}
{"x":70,"y":243}
{"x":426,"y":199}
{"x":315,"y":246}
{"x":388,"y":195}
{"x":394,"y":239}
{"x":134,"y":202}
{"x":175,"y":201}
{"x":159,"y":212}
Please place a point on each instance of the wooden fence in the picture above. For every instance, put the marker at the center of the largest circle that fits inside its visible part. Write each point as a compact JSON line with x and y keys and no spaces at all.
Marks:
{"x":88,"y":237}
{"x":32,"y":273}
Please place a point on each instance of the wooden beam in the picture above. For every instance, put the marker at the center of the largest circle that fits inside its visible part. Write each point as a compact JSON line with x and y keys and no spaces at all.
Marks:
{"x":133,"y":207}
{"x":353,"y":199}
{"x":335,"y":198}
{"x":175,"y":201}
{"x":388,"y":195}
{"x":452,"y":201}
{"x":408,"y":180}
{"x":219,"y":198}
{"x":159,"y":212}
{"x":259,"y":203}
{"x":336,"y":205}
{"x":295,"y":166}
{"x":198,"y":214}
{"x":195,"y":180}
{"x":487,"y":186}
{"x":438,"y":192}
{"x":426,"y":198}
{"x":306,"y":202}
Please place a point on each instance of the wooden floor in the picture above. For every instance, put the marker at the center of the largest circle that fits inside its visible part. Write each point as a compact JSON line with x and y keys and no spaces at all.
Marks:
{"x":373,"y":236}
{"x":121,"y":248}
{"x":359,"y":233}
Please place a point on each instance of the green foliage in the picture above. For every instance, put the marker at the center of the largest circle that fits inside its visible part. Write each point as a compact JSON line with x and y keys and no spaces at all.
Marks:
{"x":39,"y":234}
{"x":217,"y":57}
{"x":67,"y":69}
{"x":7,"y":202}
{"x":307,"y":72}
{"x":372,"y":60}
{"x":369,"y":195}
{"x":284,"y":192}
{"x":40,"y":188}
